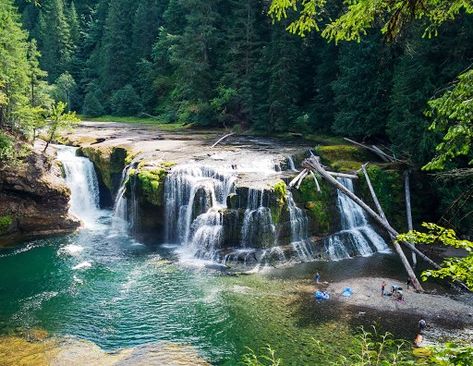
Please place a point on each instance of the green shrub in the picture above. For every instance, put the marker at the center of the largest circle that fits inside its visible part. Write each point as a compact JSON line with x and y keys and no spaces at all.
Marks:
{"x":5,"y":222}
{"x":126,"y":102}
{"x":92,"y":106}
{"x":7,"y":151}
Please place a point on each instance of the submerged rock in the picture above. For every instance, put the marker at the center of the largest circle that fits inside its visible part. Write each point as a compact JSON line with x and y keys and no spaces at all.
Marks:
{"x":34,"y":200}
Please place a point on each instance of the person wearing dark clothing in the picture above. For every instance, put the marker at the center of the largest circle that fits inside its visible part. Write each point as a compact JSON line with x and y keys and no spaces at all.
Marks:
{"x":383,"y":286}
{"x":422,"y":325}
{"x":317,"y":277}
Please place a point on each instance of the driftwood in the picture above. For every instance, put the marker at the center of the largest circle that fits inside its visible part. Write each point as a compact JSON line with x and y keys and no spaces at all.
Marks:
{"x":343,"y":175}
{"x":314,"y":164}
{"x":222,"y":138}
{"x":407,"y":194}
{"x":373,"y":194}
{"x":373,"y":148}
{"x":315,"y":181}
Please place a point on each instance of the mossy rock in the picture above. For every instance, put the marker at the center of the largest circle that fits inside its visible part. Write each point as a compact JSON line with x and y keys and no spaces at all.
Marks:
{"x":342,"y":157}
{"x":5,"y":223}
{"x":109,"y":162}
{"x":150,"y":182}
{"x":320,"y":206}
{"x":389,"y":188}
{"x":280,"y":199}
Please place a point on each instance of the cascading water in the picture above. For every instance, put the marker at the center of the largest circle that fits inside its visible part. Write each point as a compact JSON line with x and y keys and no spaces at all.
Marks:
{"x":299,"y":237}
{"x":82,"y":180}
{"x":258,"y":226}
{"x":291,"y":165}
{"x":194,"y":196}
{"x":357,"y":237}
{"x":120,"y":208}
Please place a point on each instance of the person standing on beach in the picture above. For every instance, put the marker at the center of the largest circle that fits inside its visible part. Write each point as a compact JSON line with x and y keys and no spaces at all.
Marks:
{"x":383,"y":286}
{"x":317,"y":277}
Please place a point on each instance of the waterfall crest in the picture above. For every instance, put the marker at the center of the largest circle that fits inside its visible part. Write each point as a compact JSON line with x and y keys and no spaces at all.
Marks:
{"x":356,"y":237}
{"x":82,"y":180}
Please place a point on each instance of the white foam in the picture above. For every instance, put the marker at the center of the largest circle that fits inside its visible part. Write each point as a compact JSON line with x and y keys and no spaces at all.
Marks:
{"x":71,"y":249}
{"x":83,"y":265}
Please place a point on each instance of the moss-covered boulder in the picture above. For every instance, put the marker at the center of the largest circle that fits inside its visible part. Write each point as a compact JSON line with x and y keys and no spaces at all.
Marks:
{"x":343,"y":158}
{"x":320,"y":206}
{"x":389,"y":188}
{"x":109,"y":162}
{"x":145,"y":187}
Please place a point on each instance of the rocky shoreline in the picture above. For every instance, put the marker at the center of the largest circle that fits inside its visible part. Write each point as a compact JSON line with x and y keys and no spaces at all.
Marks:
{"x":34,"y":200}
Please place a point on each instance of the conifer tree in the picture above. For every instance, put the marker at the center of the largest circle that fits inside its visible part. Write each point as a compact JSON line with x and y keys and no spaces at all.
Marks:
{"x":54,"y":38}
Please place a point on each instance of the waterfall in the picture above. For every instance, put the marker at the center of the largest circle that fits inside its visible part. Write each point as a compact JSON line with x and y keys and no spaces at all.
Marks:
{"x":299,"y":237}
{"x":81,"y":178}
{"x":291,"y":165}
{"x":258,"y":228}
{"x":194,"y":196}
{"x":357,"y":236}
{"x":125,"y":214}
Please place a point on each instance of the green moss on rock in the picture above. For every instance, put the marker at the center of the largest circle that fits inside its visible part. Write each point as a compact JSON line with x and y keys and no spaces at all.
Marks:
{"x":388,"y":185}
{"x":5,"y":223}
{"x":150,"y":182}
{"x":280,"y":195}
{"x":319,"y":205}
{"x":109,"y":162}
{"x":342,"y":157}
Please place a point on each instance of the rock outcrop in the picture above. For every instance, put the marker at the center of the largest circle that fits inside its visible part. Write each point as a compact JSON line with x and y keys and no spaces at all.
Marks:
{"x":34,"y":200}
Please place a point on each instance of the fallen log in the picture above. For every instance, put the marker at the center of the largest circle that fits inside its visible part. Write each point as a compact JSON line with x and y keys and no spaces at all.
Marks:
{"x":314,"y":164}
{"x":382,"y":156}
{"x":222,"y":138}
{"x":373,"y":194}
{"x":407,"y":195}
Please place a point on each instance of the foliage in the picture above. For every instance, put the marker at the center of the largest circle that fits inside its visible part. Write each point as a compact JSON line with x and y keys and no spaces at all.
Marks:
{"x":126,"y":102}
{"x":457,"y":268}
{"x":359,"y":16}
{"x":5,"y":222}
{"x":452,"y":115}
{"x":268,"y":358}
{"x":6,"y":147}
{"x":64,"y":87}
{"x":57,"y":119}
{"x":452,"y":354}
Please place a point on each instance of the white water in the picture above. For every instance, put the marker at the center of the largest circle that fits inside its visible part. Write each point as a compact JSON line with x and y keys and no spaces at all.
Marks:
{"x":291,"y":165}
{"x":299,"y":237}
{"x":194,"y":196}
{"x":357,"y":237}
{"x":120,"y":219}
{"x":81,"y":179}
{"x":257,"y":221}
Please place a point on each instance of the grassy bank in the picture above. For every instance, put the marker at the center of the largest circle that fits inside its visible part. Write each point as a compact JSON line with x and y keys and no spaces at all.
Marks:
{"x":138,"y":120}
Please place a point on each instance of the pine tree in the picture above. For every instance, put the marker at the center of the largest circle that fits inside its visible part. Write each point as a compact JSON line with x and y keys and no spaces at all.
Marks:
{"x":14,"y":67}
{"x":243,"y":28}
{"x":74,"y":26}
{"x":54,"y":38}
{"x":118,"y":61}
{"x":280,"y":60}
{"x":193,"y":56}
{"x":361,"y":88}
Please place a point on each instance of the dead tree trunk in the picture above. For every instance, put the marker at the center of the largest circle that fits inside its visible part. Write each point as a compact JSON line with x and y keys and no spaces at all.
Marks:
{"x":407,"y":193}
{"x":314,"y":164}
{"x":373,"y":194}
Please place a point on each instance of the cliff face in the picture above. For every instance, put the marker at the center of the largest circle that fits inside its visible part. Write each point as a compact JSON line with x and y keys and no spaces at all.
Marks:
{"x":34,"y":200}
